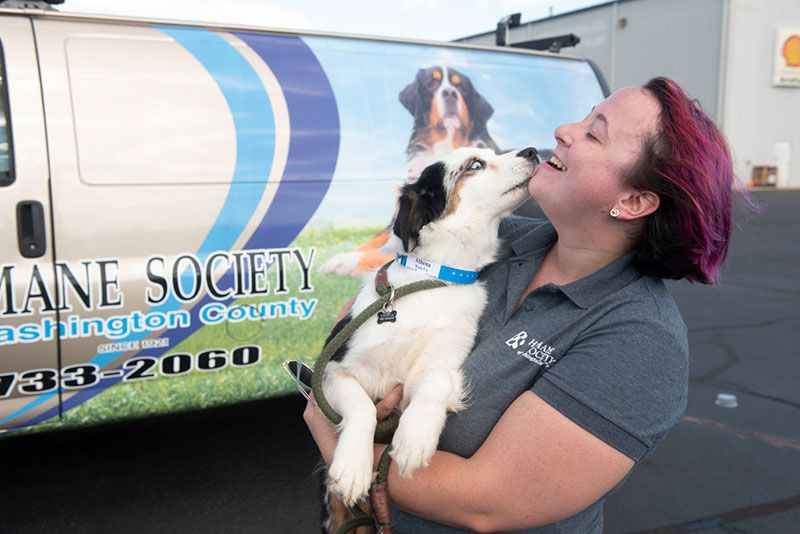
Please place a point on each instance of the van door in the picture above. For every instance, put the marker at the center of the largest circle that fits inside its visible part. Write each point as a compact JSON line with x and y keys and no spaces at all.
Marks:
{"x":164,"y":159}
{"x":29,"y":370}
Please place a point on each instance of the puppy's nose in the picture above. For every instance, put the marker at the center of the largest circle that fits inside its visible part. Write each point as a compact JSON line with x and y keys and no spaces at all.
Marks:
{"x":529,"y":154}
{"x":448,"y":93}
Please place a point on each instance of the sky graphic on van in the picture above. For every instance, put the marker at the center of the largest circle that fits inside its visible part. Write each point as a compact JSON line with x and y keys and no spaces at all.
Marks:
{"x":531,"y":96}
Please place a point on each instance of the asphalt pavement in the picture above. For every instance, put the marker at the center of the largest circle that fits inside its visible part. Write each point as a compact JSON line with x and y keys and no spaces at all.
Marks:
{"x":247,"y":468}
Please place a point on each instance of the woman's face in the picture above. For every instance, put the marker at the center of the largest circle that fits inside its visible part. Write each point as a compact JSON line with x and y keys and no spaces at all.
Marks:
{"x":595,"y":155}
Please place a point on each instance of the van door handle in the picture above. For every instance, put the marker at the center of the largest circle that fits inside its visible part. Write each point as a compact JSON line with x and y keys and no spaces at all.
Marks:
{"x":30,"y":229}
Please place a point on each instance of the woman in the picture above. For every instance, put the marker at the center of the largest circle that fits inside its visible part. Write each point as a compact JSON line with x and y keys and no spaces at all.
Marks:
{"x":581,"y":363}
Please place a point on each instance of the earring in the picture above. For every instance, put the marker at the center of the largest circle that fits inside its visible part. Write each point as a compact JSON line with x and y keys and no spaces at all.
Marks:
{"x":614,"y":212}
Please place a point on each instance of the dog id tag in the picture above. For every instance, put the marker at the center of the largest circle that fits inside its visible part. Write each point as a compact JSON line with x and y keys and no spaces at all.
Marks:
{"x":387,"y":317}
{"x":389,"y":314}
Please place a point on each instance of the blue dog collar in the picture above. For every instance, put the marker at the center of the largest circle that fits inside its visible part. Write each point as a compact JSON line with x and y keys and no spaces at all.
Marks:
{"x":436,"y":270}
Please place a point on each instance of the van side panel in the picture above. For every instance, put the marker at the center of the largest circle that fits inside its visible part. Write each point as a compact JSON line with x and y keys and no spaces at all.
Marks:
{"x":203,"y":180}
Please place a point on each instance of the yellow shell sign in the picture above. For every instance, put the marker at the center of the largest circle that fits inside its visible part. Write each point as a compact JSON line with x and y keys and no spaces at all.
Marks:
{"x":786,"y":72}
{"x":791,"y":51}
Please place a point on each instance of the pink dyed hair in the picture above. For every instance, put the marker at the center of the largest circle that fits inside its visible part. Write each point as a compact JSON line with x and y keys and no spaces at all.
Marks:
{"x":688,"y":164}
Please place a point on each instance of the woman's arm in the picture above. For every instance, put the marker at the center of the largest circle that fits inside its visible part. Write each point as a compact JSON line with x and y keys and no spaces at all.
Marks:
{"x":535,"y":467}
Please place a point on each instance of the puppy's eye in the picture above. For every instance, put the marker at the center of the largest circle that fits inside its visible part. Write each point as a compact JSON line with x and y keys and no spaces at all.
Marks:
{"x":476,"y":165}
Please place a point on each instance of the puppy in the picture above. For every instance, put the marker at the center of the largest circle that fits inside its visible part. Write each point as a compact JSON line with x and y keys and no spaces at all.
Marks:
{"x":449,"y":113}
{"x":449,"y":216}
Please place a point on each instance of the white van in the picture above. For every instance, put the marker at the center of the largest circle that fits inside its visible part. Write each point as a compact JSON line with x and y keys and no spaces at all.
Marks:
{"x":183,"y":206}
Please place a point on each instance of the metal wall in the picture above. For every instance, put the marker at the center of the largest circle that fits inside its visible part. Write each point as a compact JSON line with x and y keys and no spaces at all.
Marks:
{"x":679,"y":39}
{"x":757,"y":116}
{"x":634,"y":40}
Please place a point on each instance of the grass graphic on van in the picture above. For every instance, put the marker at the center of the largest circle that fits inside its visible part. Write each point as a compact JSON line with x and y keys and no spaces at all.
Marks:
{"x":279,"y":340}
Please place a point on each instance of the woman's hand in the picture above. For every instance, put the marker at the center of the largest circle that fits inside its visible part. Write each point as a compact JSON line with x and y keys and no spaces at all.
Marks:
{"x":385,"y":406}
{"x":324,"y":432}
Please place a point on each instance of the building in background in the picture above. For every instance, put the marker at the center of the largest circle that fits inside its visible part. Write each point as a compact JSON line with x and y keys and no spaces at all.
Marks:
{"x":740,"y":58}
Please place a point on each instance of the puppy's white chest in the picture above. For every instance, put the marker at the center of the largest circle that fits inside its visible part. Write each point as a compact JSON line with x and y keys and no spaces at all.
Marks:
{"x":433,"y":329}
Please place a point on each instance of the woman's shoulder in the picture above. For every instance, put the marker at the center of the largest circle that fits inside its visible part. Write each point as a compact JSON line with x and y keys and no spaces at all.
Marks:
{"x":646,"y":308}
{"x":629,"y":367}
{"x":656,"y":297}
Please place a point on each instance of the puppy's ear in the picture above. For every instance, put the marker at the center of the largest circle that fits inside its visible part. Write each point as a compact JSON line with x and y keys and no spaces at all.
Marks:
{"x":404,"y":225}
{"x":420,"y":203}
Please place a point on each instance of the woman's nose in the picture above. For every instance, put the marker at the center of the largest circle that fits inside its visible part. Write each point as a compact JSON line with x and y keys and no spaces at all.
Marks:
{"x":563,"y":135}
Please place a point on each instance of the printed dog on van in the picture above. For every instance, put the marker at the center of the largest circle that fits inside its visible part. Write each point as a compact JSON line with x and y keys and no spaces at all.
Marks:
{"x":446,"y":228}
{"x":449,"y":113}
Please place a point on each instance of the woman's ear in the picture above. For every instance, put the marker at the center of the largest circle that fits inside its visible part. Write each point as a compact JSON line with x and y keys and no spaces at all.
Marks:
{"x":636,"y":205}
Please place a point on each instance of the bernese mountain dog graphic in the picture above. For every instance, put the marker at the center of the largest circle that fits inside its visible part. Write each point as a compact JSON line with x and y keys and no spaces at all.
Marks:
{"x":449,"y":113}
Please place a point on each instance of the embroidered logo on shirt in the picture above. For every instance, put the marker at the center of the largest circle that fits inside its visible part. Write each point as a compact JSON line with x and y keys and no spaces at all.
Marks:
{"x":517,"y":340}
{"x":534,"y":350}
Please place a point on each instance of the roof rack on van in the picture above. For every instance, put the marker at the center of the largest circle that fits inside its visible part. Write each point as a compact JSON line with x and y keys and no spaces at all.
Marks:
{"x":551,"y":44}
{"x":503,"y":26}
{"x":30,"y":4}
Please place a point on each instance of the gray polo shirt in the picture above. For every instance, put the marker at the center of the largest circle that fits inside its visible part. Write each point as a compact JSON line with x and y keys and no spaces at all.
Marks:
{"x":609,"y":351}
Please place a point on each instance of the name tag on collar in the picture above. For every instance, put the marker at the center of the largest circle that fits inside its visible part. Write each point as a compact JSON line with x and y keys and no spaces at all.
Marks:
{"x":436,"y":270}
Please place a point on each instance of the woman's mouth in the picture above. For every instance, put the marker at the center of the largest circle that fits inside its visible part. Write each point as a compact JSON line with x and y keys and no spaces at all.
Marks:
{"x":556,"y":164}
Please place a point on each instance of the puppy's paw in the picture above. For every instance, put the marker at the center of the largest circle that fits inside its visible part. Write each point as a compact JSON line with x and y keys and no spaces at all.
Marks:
{"x":351,"y":476}
{"x":344,"y":264}
{"x":412,"y":448}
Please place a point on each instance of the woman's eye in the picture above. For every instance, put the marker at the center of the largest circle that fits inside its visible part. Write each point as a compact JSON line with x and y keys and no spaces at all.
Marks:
{"x":476,"y":165}
{"x":591,"y":136}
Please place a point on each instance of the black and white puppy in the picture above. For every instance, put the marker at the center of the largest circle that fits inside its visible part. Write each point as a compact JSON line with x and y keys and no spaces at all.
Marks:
{"x":449,"y":216}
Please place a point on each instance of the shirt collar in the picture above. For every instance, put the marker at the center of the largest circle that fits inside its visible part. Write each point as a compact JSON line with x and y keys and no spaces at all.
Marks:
{"x":590,"y":289}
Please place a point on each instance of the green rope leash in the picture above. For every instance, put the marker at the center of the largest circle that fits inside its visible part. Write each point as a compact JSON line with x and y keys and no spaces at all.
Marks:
{"x":383,"y":466}
{"x":360,"y":519}
{"x":389,"y":424}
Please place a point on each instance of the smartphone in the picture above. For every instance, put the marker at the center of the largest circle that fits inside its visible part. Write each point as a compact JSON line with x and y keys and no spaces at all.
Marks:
{"x":302,"y":375}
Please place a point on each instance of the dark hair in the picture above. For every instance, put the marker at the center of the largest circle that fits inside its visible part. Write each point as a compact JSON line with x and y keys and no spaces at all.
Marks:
{"x":688,"y":164}
{"x":420,"y":203}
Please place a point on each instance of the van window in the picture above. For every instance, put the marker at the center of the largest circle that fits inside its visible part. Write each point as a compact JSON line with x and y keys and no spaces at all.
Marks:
{"x":6,"y":163}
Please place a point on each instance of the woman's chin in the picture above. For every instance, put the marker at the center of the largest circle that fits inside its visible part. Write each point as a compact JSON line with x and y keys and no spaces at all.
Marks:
{"x":535,"y":185}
